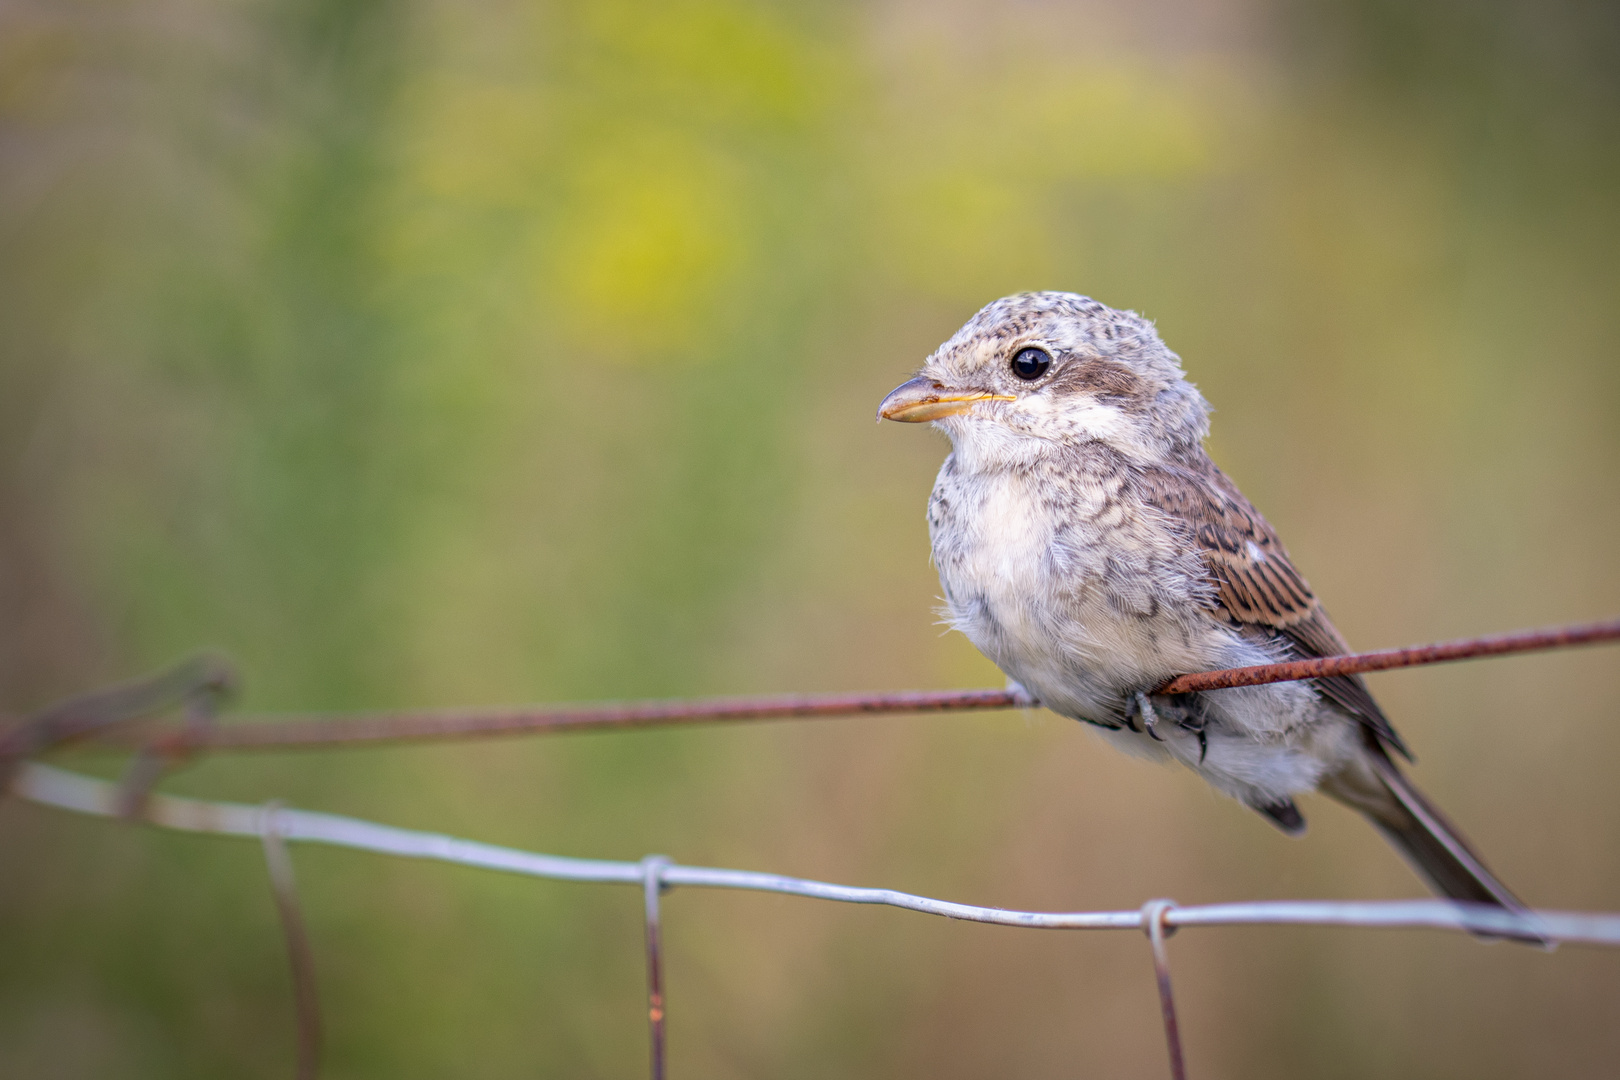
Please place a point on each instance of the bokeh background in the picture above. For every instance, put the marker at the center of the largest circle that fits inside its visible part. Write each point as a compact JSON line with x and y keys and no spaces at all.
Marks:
{"x":444,"y":352}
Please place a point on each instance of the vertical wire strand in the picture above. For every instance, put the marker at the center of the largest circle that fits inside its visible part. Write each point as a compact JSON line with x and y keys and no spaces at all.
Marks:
{"x":200,"y":705}
{"x":299,"y":954}
{"x":652,"y":886}
{"x":1153,"y":913}
{"x":145,"y":769}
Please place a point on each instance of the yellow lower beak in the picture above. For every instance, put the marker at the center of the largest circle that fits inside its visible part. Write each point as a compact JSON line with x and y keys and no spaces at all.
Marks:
{"x":920,"y":400}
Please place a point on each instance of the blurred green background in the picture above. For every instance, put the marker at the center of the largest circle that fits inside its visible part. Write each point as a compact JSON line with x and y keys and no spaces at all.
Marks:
{"x":438,"y":352}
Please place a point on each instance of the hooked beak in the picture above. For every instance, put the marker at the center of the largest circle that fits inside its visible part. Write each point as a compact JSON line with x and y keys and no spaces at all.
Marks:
{"x":919,"y":400}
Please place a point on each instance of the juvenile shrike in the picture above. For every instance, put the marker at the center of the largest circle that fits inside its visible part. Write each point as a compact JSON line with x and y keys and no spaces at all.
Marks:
{"x":1088,"y":545}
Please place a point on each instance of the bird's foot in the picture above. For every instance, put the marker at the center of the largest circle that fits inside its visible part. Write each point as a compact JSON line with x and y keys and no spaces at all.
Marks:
{"x":1140,"y":705}
{"x":1150,"y":718}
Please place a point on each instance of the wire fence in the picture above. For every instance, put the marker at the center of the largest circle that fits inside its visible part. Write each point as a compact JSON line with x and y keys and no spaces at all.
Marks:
{"x":198,"y":687}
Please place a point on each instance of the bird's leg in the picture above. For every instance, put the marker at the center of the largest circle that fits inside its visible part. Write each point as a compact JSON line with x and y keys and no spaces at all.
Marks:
{"x":1188,"y":715}
{"x":1150,"y":719}
{"x":1130,"y":711}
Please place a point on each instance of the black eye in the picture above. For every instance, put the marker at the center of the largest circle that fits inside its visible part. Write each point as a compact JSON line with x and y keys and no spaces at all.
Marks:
{"x":1031,"y":363}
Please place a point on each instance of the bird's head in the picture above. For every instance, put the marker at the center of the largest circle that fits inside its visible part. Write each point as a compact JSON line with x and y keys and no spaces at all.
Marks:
{"x":1037,"y":371}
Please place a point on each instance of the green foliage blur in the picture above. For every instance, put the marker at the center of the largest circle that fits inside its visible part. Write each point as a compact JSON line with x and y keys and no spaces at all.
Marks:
{"x":442,"y":352}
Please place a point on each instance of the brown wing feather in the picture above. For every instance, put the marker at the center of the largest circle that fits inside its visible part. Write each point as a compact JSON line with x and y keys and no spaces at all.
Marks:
{"x":1255,"y":583}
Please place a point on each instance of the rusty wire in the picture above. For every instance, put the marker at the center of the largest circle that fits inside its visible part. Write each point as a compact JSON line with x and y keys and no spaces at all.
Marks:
{"x":1153,"y":924}
{"x":652,"y":887}
{"x":198,"y":685}
{"x":300,"y":955}
{"x":326,"y":730}
{"x":1557,"y":637}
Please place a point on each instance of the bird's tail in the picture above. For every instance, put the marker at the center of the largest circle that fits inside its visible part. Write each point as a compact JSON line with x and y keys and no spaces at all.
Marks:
{"x":1434,"y":847}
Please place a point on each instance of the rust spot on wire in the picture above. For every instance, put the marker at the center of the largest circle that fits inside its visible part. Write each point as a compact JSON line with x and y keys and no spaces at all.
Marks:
{"x":653,"y":867}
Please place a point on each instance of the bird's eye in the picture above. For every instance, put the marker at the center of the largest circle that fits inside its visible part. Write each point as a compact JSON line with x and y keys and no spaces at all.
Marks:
{"x":1031,"y":363}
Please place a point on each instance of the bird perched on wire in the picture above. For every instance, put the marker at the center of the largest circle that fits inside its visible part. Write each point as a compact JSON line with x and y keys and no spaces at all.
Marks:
{"x":1088,"y":545}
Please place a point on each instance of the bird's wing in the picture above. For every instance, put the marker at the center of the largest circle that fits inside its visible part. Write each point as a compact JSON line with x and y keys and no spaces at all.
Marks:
{"x":1255,"y":584}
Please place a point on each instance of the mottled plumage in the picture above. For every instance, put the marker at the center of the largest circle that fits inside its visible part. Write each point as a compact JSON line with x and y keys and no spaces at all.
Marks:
{"x":1088,"y":545}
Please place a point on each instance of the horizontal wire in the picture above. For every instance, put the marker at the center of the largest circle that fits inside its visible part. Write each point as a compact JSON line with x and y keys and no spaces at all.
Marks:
{"x":325,"y":730}
{"x":1557,"y":637}
{"x":293,"y":731}
{"x":65,"y":790}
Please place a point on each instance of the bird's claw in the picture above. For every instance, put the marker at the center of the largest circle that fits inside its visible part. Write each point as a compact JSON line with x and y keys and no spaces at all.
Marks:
{"x":1150,"y":718}
{"x":1143,"y":706}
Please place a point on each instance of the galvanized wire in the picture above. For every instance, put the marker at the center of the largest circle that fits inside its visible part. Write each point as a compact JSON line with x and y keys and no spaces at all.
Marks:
{"x":66,"y":790}
{"x":274,"y":824}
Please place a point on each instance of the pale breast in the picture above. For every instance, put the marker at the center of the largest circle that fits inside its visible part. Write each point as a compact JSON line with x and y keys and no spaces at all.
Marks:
{"x":1067,"y":582}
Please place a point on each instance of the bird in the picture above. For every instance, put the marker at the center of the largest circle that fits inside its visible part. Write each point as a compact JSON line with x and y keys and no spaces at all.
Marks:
{"x":1087,"y":544}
